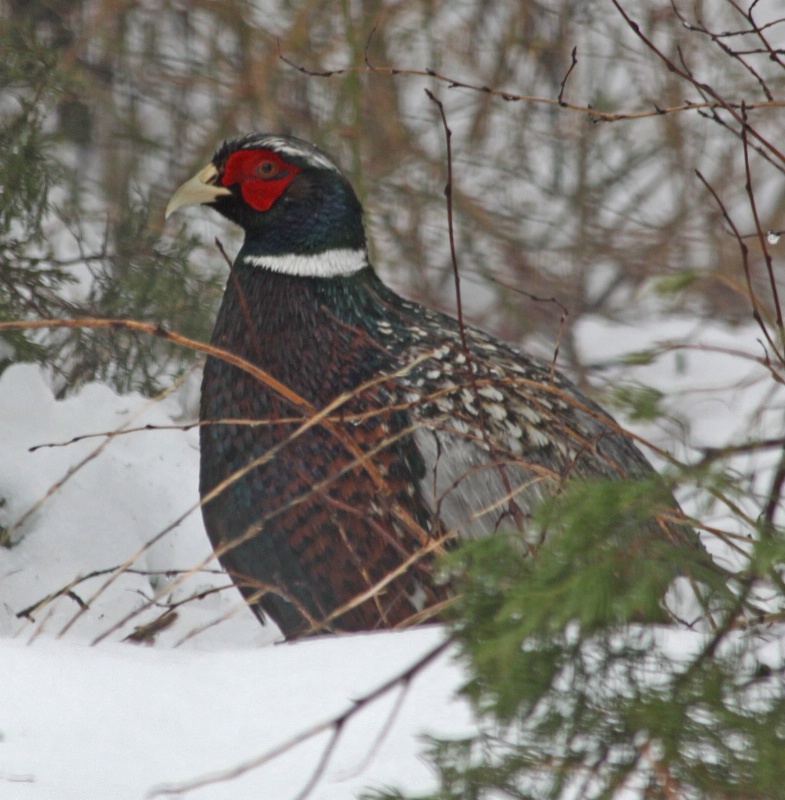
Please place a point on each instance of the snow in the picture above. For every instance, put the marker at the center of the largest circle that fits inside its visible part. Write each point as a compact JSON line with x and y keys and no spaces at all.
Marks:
{"x":118,"y":719}
{"x":85,"y":714}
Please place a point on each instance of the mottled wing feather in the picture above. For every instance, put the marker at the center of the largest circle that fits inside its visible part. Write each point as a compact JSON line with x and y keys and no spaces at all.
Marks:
{"x":501,"y":431}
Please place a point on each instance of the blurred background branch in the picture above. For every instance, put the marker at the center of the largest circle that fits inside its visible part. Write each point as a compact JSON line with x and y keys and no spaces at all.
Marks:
{"x":109,"y":104}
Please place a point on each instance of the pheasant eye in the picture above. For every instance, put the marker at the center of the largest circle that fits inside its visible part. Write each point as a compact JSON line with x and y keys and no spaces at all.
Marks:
{"x":268,"y":169}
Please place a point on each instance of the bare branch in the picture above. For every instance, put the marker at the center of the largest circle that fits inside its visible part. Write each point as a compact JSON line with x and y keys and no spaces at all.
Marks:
{"x":734,"y":109}
{"x":762,"y":238}
{"x":512,"y":97}
{"x":756,"y":312}
{"x":336,"y":724}
{"x":573,"y":64}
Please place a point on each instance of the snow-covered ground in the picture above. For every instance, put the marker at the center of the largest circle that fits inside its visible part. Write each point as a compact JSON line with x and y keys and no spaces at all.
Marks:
{"x":118,"y":719}
{"x":84,"y":714}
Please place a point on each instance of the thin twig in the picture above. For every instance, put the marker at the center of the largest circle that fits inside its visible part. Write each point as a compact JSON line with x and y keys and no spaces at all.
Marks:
{"x":718,"y":39}
{"x":512,"y":97}
{"x":762,"y":237}
{"x":515,"y":510}
{"x":451,"y":220}
{"x":756,"y":312}
{"x":734,"y":109}
{"x":67,"y":590}
{"x":7,"y":535}
{"x":563,"y":86}
{"x":336,"y":724}
{"x":252,"y":423}
{"x":564,"y":314}
{"x":774,"y":495}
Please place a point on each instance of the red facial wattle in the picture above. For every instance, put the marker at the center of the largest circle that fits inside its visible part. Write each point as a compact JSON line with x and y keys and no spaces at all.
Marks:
{"x":261,"y":174}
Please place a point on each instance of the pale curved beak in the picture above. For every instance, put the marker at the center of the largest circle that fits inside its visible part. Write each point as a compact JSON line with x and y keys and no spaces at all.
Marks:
{"x":199,"y":189}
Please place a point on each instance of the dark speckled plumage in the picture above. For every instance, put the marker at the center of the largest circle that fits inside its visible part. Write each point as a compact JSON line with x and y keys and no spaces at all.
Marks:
{"x":429,"y":442}
{"x":308,"y":546}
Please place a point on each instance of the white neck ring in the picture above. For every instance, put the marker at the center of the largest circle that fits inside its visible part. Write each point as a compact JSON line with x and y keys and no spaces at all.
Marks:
{"x":329,"y":264}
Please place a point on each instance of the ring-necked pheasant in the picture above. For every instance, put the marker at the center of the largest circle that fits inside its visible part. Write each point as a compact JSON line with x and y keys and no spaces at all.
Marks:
{"x":424,"y":434}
